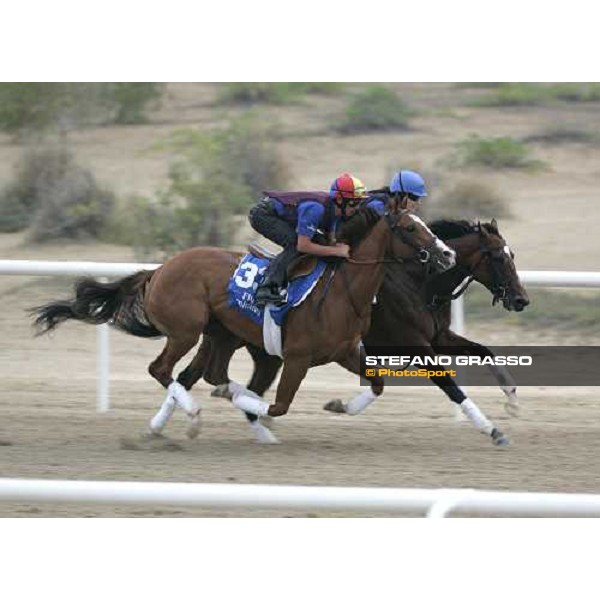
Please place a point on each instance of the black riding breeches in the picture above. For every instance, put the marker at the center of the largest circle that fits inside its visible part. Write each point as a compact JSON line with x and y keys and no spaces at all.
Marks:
{"x":267,"y":222}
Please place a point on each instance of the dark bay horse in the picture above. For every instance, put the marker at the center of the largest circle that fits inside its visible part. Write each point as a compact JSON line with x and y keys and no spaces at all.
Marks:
{"x":413,"y":310}
{"x":188,"y":295}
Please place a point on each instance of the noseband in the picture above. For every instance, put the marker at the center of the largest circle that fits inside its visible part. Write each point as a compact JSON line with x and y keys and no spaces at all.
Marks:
{"x":498,"y":286}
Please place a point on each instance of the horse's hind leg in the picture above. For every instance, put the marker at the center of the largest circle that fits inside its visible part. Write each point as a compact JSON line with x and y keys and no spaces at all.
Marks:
{"x":162,"y":370}
{"x":195,"y":370}
{"x":355,"y":363}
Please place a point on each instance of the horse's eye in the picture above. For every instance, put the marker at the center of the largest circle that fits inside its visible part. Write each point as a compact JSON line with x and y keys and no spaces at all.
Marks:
{"x":411,"y":229}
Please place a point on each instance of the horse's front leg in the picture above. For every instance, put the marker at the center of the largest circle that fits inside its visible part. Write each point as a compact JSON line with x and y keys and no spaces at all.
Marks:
{"x":470,"y":410}
{"x":355,"y":362}
{"x":449,"y":342}
{"x":294,"y":371}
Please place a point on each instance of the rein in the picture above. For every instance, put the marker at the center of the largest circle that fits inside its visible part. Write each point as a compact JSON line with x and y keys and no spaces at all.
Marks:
{"x":498,"y":289}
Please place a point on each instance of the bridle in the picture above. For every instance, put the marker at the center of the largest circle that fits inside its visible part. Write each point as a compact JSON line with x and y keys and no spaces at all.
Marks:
{"x":498,"y":285}
{"x":423,"y":255}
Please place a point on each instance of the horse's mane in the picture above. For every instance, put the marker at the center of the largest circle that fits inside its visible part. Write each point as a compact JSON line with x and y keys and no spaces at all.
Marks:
{"x":358,"y":225}
{"x":448,"y":229}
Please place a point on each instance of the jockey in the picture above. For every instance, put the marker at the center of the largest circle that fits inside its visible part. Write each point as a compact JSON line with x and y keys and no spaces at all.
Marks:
{"x":303,"y":222}
{"x":406,"y":188}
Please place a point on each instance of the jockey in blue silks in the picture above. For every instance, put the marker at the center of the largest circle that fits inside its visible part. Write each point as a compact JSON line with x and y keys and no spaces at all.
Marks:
{"x":406,"y":188}
{"x":303,"y":222}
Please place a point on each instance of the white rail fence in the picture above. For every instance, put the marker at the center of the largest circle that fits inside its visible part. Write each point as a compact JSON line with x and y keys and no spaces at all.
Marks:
{"x":578,"y":279}
{"x":435,"y":503}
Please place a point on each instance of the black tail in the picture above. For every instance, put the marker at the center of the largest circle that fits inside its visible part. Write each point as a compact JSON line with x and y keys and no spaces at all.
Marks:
{"x":121,"y":303}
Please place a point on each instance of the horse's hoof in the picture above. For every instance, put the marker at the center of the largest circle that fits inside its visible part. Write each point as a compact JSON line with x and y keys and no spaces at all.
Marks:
{"x":263,"y":434}
{"x":499,"y":439}
{"x":150,"y":434}
{"x":514,"y":410}
{"x":222,"y":391}
{"x":335,"y":406}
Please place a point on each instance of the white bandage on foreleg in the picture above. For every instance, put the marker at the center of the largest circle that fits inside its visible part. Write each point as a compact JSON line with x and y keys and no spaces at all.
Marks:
{"x":158,"y":422}
{"x":251,"y":404}
{"x":183,"y":398}
{"x":476,"y":416}
{"x":360,"y":402}
{"x":263,"y":434}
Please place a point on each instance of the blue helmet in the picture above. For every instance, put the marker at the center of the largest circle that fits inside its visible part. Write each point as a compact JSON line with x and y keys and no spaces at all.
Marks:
{"x":408,"y":182}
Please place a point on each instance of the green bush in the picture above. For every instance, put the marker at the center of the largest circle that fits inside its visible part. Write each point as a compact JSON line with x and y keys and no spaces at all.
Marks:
{"x":535,"y":94}
{"x":495,"y":153}
{"x":26,"y":107}
{"x":55,"y":197}
{"x":576,"y":92}
{"x":564,"y":133}
{"x":468,"y":200}
{"x":131,"y":100}
{"x":374,"y":109}
{"x":38,"y":107}
{"x":515,"y":94}
{"x":273,"y":93}
{"x":214,"y":177}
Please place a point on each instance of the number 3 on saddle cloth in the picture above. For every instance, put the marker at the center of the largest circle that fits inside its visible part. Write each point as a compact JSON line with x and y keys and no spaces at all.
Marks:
{"x":242,"y":292}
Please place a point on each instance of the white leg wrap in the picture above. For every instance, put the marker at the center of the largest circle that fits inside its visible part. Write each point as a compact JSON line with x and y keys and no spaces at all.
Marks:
{"x":237,"y":389}
{"x":476,"y":416}
{"x":263,"y":434}
{"x":183,"y":398}
{"x":360,"y":402}
{"x":251,"y":404}
{"x":160,"y":419}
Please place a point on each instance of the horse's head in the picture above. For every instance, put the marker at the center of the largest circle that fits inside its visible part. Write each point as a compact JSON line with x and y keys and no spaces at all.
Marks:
{"x":411,"y":230}
{"x":493,"y":266}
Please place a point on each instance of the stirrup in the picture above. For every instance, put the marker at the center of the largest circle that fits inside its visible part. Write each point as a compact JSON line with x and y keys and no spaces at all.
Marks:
{"x":271,"y":296}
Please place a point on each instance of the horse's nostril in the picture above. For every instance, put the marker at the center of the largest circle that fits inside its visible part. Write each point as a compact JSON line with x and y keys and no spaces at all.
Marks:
{"x":520,"y":303}
{"x":447,"y":253}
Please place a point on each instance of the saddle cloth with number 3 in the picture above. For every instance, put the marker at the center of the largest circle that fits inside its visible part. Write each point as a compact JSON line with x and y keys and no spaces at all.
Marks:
{"x":246,"y":279}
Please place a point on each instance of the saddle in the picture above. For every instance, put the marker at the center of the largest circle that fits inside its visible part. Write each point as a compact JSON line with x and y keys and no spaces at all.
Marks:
{"x":299,"y":267}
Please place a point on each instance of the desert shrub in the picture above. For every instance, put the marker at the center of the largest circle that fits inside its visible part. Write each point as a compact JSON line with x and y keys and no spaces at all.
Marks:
{"x":534,"y":94}
{"x":468,"y":200}
{"x":496,"y":153}
{"x":38,"y":107}
{"x":515,"y":94}
{"x":576,"y":92}
{"x":55,"y":197}
{"x":564,"y":133}
{"x":214,"y":177}
{"x":375,"y":108}
{"x":274,"y":92}
{"x":131,"y":100}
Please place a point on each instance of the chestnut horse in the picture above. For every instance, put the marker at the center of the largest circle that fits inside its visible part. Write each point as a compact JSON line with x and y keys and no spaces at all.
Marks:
{"x":413,"y":311}
{"x":188,"y":295}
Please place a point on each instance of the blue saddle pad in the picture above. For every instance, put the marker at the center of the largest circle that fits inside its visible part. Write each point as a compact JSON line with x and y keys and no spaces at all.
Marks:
{"x":250,"y":274}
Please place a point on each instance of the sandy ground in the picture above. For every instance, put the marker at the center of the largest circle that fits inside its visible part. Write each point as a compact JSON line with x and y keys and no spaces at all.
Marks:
{"x":49,"y":427}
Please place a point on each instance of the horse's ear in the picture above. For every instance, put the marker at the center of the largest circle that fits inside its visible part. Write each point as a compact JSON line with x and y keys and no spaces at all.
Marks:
{"x":494,"y":224}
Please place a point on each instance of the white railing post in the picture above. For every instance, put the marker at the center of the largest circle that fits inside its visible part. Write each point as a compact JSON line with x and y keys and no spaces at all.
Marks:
{"x":103,"y":358}
{"x":103,"y":365}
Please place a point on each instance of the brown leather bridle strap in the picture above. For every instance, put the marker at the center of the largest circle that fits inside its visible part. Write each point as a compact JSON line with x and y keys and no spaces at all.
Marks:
{"x":376,"y":261}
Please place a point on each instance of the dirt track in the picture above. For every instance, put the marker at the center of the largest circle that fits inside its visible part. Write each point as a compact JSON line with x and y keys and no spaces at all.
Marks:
{"x":49,"y":429}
